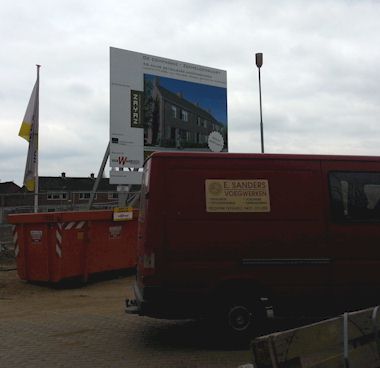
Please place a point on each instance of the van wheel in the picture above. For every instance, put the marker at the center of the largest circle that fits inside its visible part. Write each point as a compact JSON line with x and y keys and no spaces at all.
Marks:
{"x":239,"y":318}
{"x":244,"y":319}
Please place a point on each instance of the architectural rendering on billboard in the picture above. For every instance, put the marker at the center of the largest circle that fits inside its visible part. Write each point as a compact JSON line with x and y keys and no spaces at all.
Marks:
{"x":162,"y":104}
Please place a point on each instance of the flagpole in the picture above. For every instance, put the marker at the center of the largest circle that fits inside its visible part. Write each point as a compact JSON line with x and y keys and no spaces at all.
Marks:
{"x":35,"y":133}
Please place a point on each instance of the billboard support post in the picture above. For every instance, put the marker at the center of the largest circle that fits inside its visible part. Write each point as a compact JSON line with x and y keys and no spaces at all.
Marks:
{"x":100,"y":174}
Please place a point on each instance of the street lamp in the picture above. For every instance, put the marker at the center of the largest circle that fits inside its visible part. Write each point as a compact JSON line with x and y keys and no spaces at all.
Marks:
{"x":259,"y":64}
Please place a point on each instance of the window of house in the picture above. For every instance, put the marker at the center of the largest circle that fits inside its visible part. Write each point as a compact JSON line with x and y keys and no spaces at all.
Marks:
{"x":174,"y":112}
{"x":184,"y":115}
{"x":355,"y":196}
{"x":199,"y":121}
{"x":113,"y":195}
{"x":173,"y":133}
{"x":54,"y":196}
{"x":201,"y":138}
{"x":184,"y":134}
{"x":205,"y":123}
{"x":85,"y":195}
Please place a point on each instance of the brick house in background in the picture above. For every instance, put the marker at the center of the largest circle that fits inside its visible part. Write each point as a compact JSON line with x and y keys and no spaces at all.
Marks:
{"x":60,"y":193}
{"x":9,"y":196}
{"x":63,"y":191}
{"x":8,"y":193}
{"x":9,"y":187}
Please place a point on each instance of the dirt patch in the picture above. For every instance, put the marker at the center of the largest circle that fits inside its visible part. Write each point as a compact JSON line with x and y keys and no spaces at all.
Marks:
{"x":86,"y":326}
{"x":76,"y":324}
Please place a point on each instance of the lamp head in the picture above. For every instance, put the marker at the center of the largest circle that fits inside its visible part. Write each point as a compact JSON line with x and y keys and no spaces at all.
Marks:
{"x":259,"y":59}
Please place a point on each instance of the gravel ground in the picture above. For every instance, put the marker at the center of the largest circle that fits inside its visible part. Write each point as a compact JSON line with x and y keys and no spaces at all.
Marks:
{"x":85,"y":326}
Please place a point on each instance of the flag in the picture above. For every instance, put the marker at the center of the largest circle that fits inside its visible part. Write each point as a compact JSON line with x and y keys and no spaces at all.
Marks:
{"x":30,"y":175}
{"x":29,"y":131}
{"x":30,"y":115}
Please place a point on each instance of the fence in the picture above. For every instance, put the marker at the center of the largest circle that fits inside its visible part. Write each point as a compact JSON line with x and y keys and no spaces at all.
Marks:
{"x":63,"y":201}
{"x":347,"y":341}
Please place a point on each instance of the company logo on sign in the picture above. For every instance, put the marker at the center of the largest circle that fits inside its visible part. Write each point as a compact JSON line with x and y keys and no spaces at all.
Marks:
{"x":122,"y":160}
{"x":136,"y":107}
{"x":215,"y":188}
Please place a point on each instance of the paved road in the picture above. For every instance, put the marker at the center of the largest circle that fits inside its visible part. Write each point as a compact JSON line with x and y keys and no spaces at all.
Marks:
{"x":86,"y":327}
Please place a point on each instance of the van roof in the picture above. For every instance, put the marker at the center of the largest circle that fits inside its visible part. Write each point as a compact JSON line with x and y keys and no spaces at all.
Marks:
{"x":262,"y":156}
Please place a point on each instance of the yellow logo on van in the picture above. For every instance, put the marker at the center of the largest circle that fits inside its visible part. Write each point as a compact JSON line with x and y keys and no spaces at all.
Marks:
{"x":237,"y":195}
{"x":215,"y":188}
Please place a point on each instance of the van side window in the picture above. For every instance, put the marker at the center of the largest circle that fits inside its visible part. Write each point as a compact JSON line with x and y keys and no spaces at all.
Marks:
{"x":355,"y":196}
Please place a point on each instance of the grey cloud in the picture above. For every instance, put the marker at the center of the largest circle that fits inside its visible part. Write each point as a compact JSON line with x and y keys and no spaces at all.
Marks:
{"x":320,"y":75}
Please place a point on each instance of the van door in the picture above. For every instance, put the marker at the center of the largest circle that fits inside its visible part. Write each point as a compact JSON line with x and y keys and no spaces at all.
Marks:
{"x":354,"y":232}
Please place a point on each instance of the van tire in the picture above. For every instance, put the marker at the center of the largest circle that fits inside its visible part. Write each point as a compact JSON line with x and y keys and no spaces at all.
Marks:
{"x":243,"y":319}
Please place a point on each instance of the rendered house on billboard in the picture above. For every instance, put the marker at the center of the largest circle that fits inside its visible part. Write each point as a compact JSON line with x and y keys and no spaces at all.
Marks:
{"x":173,"y":121}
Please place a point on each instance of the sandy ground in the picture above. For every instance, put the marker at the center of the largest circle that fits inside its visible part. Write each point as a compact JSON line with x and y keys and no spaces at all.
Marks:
{"x":84,"y":325}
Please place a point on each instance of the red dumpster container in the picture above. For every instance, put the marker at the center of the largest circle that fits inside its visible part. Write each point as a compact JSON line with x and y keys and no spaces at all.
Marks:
{"x":58,"y":245}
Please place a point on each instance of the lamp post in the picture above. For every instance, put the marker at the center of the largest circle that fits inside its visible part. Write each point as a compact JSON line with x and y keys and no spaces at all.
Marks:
{"x":259,"y":64}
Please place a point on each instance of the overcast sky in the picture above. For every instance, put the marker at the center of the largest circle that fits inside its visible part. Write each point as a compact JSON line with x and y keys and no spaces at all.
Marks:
{"x":320,"y":78}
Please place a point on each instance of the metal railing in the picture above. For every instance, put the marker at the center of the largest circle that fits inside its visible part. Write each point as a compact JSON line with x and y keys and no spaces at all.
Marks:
{"x":63,"y":201}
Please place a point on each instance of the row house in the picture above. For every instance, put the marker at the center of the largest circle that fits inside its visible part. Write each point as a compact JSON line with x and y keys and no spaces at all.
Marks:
{"x":60,"y":193}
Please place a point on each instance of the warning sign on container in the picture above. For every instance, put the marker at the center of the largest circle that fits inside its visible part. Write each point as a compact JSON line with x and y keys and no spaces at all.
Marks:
{"x":114,"y":232}
{"x":122,"y":214}
{"x":36,"y":235}
{"x":237,"y":195}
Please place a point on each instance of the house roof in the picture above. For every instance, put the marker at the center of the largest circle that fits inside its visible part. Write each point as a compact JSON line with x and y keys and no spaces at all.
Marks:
{"x":61,"y":183}
{"x":9,"y":187}
{"x":75,"y":184}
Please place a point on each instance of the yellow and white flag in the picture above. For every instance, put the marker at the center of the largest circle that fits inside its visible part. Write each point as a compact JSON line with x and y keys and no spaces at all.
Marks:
{"x":30,"y":115}
{"x":29,"y":131}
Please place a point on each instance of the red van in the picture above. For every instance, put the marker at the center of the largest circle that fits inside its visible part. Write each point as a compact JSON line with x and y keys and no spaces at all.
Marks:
{"x":230,"y":235}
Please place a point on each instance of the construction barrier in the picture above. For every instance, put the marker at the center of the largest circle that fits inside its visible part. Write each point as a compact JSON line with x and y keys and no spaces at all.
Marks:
{"x":59,"y":245}
{"x":347,"y":341}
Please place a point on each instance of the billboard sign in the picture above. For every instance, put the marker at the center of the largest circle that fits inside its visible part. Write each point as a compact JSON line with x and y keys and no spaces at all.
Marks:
{"x":162,"y":104}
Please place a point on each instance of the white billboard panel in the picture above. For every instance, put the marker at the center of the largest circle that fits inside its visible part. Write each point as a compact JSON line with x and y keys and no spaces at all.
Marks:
{"x":161,"y":104}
